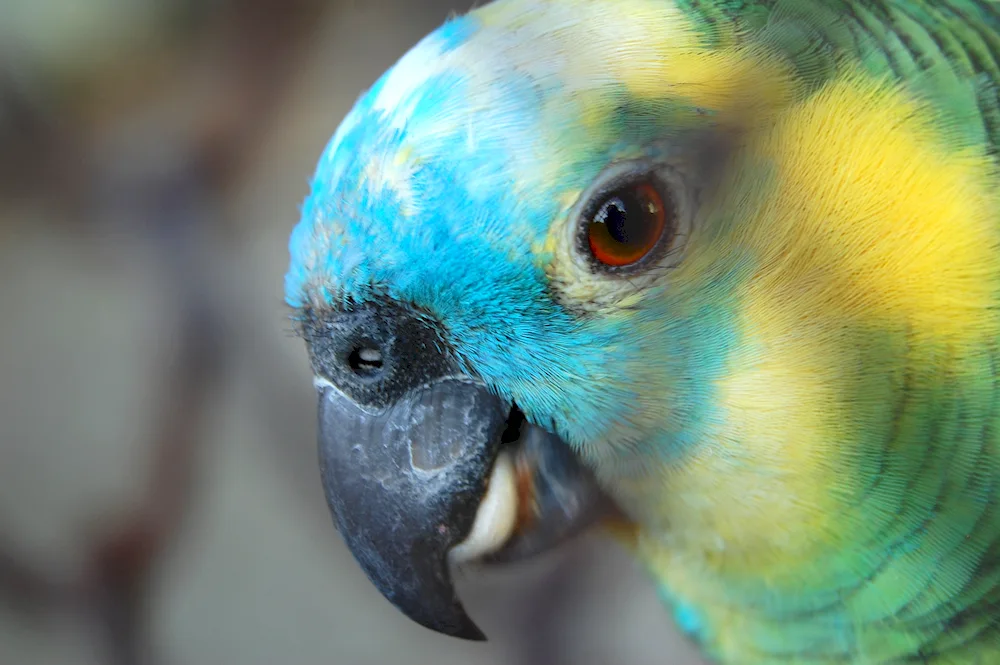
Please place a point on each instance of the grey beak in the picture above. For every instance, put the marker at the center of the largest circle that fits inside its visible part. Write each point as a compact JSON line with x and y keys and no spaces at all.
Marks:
{"x":404,"y":482}
{"x":407,"y":444}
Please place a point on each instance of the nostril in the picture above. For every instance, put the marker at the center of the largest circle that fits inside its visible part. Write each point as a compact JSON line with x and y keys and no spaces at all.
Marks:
{"x":366,"y":361}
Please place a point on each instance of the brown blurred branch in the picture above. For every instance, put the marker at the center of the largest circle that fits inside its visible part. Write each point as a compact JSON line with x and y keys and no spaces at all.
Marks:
{"x":123,"y":565}
{"x":227,"y":73}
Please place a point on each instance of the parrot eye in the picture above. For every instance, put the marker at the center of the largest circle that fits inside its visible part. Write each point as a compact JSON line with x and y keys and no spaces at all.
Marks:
{"x":625,"y":224}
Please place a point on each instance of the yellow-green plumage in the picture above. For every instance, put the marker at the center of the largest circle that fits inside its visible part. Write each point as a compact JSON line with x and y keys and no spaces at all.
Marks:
{"x":801,"y":415}
{"x":880,"y":419}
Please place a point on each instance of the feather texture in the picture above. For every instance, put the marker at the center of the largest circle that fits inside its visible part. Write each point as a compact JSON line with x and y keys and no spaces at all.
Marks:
{"x":799,"y":409}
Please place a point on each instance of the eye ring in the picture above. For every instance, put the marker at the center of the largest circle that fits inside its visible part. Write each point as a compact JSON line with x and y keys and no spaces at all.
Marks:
{"x":628,"y":222}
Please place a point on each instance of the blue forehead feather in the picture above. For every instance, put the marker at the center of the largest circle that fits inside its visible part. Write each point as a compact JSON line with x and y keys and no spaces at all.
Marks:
{"x":438,"y":187}
{"x":473,"y":118}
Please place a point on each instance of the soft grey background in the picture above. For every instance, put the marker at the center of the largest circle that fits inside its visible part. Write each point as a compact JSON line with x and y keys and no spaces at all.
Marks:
{"x":159,"y":501}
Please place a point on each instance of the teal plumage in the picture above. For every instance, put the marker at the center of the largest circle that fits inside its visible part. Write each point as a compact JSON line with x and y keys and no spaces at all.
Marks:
{"x":799,"y":410}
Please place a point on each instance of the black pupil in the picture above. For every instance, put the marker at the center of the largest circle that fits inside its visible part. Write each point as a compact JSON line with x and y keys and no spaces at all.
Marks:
{"x":624,"y":214}
{"x":616,"y":220}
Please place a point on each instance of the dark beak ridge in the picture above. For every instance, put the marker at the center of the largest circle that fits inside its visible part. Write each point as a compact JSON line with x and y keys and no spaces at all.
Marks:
{"x":404,"y":483}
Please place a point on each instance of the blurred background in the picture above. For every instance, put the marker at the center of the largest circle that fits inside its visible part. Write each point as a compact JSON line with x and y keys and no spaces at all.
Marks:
{"x":159,"y":498}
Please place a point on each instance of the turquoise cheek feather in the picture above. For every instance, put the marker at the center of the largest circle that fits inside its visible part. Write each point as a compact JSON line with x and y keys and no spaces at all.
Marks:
{"x":808,"y":361}
{"x":444,"y":201}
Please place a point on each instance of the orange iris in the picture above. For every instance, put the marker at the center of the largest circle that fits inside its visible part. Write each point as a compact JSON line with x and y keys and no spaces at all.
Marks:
{"x":627,"y":225}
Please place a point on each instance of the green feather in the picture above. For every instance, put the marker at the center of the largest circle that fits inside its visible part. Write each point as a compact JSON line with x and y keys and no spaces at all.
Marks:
{"x":920,"y":581}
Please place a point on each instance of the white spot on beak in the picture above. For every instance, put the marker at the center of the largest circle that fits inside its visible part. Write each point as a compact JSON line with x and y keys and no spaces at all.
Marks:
{"x":496,"y":515}
{"x":320,"y":382}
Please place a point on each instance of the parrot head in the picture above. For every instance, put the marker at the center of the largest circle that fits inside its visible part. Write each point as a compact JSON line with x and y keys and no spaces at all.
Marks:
{"x":574,"y":260}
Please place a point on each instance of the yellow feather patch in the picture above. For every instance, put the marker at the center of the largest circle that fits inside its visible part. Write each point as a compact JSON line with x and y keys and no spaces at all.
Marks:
{"x":865,"y":220}
{"x":872,"y":215}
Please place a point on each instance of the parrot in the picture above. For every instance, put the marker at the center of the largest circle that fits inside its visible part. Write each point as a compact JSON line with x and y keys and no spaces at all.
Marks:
{"x":719,"y":278}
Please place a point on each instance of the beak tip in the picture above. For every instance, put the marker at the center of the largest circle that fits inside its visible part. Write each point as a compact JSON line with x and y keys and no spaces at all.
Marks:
{"x":463,"y":629}
{"x":472,"y":634}
{"x":439,"y":609}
